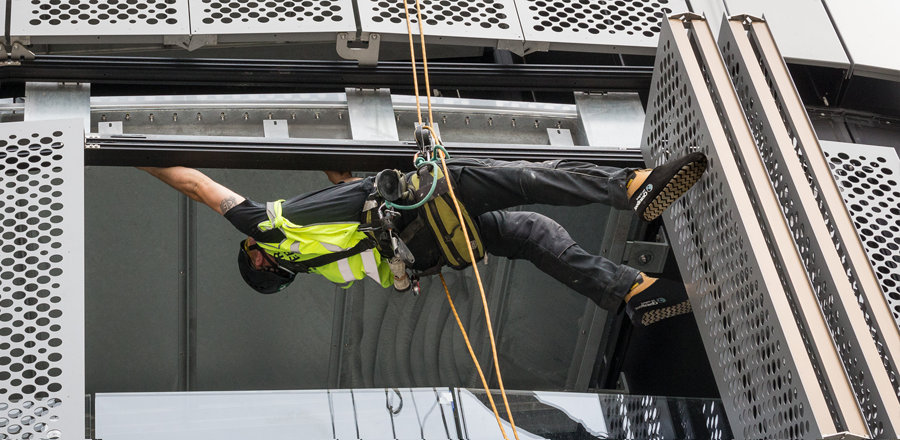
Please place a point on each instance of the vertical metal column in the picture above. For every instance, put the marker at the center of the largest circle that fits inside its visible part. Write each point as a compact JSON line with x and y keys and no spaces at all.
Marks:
{"x":746,"y":297}
{"x":42,"y":279}
{"x":810,"y":230}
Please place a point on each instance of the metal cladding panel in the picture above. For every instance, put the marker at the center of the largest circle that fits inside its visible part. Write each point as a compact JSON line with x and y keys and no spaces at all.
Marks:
{"x":42,"y":279}
{"x":809,"y":227}
{"x":765,"y":377}
{"x":226,"y":17}
{"x":462,"y":19}
{"x":802,"y":29}
{"x":881,"y":324}
{"x":869,"y":178}
{"x":630,"y":26}
{"x":869,"y":31}
{"x":91,"y":20}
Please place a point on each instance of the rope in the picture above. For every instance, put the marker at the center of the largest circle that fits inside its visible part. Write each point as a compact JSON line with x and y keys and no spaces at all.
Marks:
{"x":425,"y":66}
{"x":474,"y":358}
{"x":441,"y":153}
{"x":487,"y":313}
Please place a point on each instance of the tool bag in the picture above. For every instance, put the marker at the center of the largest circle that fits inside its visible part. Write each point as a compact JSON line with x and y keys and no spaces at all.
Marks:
{"x":441,"y":217}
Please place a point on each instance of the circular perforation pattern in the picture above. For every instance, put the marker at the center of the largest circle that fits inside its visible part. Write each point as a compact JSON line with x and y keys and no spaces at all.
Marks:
{"x":631,"y":17}
{"x":97,"y":12}
{"x":820,"y":279}
{"x":223,"y":11}
{"x":869,"y":188}
{"x":486,"y":14}
{"x":757,"y":375}
{"x":30,"y":336}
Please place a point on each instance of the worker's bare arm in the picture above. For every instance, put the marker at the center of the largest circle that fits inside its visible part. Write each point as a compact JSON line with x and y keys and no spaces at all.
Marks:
{"x":197,"y":186}
{"x":340,"y":176}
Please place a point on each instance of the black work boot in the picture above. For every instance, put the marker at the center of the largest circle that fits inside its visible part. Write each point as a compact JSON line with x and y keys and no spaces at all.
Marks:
{"x":660,"y":300}
{"x":650,"y":194}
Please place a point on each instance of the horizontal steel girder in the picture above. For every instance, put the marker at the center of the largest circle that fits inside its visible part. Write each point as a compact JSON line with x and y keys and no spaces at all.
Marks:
{"x":313,"y":75}
{"x":314,"y":154}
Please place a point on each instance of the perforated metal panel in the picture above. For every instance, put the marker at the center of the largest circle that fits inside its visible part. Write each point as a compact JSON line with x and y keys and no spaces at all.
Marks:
{"x":41,"y":280}
{"x":868,"y":177}
{"x":91,"y":20}
{"x":882,"y":326}
{"x":755,"y":350}
{"x":811,"y":235}
{"x":280,"y":17}
{"x":620,"y":25}
{"x":456,"y":19}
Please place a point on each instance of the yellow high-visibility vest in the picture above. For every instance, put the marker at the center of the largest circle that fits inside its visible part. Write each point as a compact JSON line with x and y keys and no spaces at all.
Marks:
{"x":304,"y":242}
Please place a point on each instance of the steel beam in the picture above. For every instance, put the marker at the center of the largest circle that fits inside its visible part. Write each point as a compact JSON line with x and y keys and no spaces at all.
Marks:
{"x":184,"y":75}
{"x":312,"y":154}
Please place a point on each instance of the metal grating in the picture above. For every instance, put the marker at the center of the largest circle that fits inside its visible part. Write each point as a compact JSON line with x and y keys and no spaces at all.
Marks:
{"x":42,"y":279}
{"x":463,"y":19}
{"x":809,"y":230}
{"x":765,"y":378}
{"x":621,"y":25}
{"x":77,"y":18}
{"x":868,"y":177}
{"x":271,"y":17}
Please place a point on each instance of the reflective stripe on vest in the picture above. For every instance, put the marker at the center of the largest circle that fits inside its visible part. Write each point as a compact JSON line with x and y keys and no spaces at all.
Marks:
{"x":310,"y":241}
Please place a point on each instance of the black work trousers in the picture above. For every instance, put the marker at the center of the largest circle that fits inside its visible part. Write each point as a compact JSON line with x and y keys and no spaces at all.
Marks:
{"x":487,"y":187}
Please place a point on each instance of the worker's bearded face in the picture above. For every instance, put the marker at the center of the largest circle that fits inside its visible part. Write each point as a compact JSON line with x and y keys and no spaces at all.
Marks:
{"x":257,"y":259}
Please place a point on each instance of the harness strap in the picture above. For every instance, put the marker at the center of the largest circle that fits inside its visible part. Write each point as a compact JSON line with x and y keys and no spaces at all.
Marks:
{"x":322,"y":260}
{"x":410,"y":230}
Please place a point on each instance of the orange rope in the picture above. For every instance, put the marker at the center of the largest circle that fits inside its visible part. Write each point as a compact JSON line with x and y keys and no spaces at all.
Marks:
{"x":424,"y":63}
{"x":462,"y":222}
{"x":474,"y":359}
{"x":412,"y":58}
{"x":487,"y":313}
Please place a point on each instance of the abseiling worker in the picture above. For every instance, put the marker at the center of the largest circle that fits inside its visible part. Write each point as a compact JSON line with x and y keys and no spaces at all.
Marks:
{"x":360,"y":227}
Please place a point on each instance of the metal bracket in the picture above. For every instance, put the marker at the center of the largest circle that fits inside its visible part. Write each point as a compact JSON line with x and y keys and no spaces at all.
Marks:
{"x":560,"y":137}
{"x":276,"y":128}
{"x":646,"y":256}
{"x":365,"y":50}
{"x":109,"y":127}
{"x":687,"y":16}
{"x":536,"y":46}
{"x":521,"y":48}
{"x":191,"y":42}
{"x":20,"y":52}
{"x":746,"y":19}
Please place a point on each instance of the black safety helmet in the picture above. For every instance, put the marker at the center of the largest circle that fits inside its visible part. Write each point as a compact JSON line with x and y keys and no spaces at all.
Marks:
{"x":266,"y":280}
